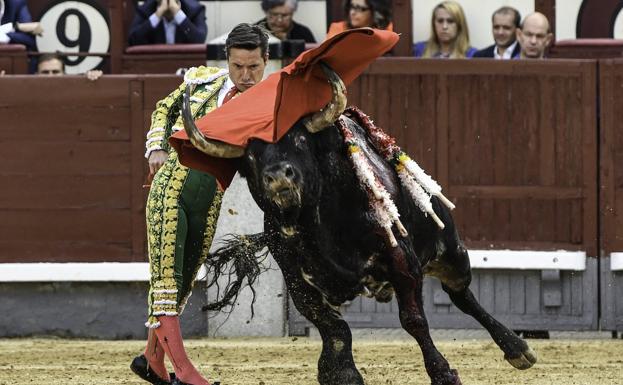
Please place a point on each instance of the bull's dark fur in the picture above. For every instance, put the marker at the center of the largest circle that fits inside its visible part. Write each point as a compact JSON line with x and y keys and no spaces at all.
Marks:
{"x":319,"y":229}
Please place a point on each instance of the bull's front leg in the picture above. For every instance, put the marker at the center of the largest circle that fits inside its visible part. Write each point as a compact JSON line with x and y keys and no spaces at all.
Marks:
{"x":336,"y":365}
{"x":407,"y":279}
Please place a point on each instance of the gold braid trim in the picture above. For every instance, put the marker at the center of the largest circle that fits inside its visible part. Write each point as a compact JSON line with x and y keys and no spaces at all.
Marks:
{"x":163,"y":216}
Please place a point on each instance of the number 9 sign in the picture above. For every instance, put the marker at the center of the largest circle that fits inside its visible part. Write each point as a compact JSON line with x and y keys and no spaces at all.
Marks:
{"x":75,"y":26}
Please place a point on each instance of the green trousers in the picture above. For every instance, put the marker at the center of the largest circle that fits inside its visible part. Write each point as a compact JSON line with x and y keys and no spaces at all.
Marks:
{"x":182,"y":211}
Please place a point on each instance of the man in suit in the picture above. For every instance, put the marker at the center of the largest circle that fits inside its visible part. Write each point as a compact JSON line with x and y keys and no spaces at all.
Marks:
{"x":505,"y":23}
{"x":168,"y":22}
{"x":16,"y":26}
{"x":534,"y":35}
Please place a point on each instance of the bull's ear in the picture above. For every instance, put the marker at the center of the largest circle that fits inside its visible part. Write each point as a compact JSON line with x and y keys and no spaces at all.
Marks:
{"x":332,"y":111}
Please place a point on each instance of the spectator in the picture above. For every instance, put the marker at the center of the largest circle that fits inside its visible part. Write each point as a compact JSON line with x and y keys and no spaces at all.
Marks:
{"x":449,"y":36}
{"x":364,"y":13}
{"x":279,"y":23}
{"x":16,"y":26}
{"x":534,"y":36}
{"x":169,"y":22}
{"x":51,"y":64}
{"x":505,"y":23}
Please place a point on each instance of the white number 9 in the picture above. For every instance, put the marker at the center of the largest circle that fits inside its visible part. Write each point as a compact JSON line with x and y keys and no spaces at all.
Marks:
{"x":75,"y":26}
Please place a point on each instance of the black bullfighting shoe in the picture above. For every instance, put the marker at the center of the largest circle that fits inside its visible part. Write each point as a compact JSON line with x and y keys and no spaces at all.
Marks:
{"x":176,"y":381}
{"x":140,"y":368}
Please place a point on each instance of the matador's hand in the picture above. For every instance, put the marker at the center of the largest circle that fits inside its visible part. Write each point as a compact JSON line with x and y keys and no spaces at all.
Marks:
{"x":156,"y":160}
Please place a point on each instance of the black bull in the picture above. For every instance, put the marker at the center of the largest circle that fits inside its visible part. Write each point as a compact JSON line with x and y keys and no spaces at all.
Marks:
{"x":318,"y":228}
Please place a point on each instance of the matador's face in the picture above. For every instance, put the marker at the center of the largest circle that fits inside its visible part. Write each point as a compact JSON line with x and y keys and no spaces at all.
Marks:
{"x":246,"y":67}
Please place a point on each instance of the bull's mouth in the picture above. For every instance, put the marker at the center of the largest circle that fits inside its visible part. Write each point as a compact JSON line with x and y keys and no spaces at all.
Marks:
{"x":286,"y":198}
{"x":287,"y":204}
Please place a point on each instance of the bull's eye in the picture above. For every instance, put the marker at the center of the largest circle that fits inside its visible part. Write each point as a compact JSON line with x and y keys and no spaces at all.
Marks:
{"x":300,"y":141}
{"x":250,"y":157}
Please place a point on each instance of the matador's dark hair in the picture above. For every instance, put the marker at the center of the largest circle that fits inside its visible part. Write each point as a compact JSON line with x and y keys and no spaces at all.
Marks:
{"x":247,"y":36}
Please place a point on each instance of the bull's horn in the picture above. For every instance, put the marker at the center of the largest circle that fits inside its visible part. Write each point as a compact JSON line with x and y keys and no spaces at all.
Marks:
{"x":214,"y":148}
{"x":333,"y":110}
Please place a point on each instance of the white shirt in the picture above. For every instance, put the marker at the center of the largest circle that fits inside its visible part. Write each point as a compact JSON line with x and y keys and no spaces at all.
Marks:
{"x":5,"y":29}
{"x":169,"y":26}
{"x":508,"y":54}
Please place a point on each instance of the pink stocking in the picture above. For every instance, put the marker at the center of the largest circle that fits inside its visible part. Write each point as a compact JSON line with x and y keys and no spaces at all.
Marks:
{"x":170,"y":338}
{"x":155,"y":356}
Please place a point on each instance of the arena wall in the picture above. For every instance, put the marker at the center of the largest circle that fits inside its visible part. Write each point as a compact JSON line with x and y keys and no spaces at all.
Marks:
{"x":518,"y":146}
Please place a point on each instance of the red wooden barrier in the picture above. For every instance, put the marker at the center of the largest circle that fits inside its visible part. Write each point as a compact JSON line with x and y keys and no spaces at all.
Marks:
{"x":162,"y":58}
{"x":587,"y":49}
{"x":611,"y":156}
{"x":514,"y":143}
{"x":13,"y":59}
{"x":72,"y":169}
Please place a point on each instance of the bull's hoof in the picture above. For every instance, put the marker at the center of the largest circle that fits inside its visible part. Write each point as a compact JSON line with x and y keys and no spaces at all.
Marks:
{"x":450,"y":378}
{"x":524,"y":361}
{"x":346,"y":376}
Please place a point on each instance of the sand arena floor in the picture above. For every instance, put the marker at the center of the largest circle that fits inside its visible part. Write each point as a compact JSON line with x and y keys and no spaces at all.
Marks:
{"x":292,"y":361}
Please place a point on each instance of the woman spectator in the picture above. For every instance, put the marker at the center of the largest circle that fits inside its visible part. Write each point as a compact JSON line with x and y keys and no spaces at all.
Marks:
{"x":279,"y":23}
{"x":364,"y":13}
{"x":449,"y":37}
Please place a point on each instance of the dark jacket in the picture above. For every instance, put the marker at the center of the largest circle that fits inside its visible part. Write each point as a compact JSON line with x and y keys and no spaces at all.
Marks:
{"x":489,"y":52}
{"x":17,"y":10}
{"x":193,"y":30}
{"x":298,"y":31}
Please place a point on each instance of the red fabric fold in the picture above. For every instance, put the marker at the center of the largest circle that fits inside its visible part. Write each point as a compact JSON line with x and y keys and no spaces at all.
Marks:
{"x":267,"y":110}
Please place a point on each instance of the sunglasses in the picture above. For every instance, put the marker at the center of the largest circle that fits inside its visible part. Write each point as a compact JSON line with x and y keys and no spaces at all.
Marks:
{"x":358,"y":8}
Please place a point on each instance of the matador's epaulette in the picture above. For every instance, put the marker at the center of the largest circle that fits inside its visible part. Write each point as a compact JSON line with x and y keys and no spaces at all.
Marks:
{"x":203,"y":75}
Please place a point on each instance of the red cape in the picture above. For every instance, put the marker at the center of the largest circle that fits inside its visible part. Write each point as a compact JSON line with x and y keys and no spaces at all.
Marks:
{"x":267,"y":110}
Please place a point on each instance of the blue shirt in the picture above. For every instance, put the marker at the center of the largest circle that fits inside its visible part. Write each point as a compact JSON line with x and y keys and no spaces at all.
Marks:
{"x":420,"y":47}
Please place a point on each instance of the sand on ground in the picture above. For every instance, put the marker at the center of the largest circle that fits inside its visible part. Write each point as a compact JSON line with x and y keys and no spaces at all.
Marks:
{"x":292,"y":361}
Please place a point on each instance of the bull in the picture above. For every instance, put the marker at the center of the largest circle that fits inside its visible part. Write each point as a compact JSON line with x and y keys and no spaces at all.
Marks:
{"x":320,"y":231}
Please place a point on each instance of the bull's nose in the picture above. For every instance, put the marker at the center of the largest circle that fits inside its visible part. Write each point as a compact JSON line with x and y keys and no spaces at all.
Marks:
{"x":282,"y":171}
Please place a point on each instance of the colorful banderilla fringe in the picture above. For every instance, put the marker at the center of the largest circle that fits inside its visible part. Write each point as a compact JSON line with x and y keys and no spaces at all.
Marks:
{"x":419,"y":184}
